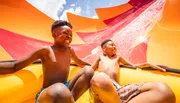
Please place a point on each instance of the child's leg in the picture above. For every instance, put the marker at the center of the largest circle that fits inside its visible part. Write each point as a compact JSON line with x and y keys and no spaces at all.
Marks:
{"x":154,"y":92}
{"x":103,"y":88}
{"x":81,"y":82}
{"x":56,"y":93}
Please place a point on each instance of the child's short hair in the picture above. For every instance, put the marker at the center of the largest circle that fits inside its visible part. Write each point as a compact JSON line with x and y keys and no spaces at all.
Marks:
{"x":58,"y":23}
{"x":104,"y":42}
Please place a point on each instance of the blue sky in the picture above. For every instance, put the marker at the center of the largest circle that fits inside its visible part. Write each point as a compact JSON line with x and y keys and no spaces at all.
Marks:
{"x":57,"y":9}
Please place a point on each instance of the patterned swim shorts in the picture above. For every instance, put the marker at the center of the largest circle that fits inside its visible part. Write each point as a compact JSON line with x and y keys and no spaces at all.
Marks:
{"x":125,"y":93}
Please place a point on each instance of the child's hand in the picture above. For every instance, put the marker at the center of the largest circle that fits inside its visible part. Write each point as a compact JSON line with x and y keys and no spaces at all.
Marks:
{"x":146,"y":65}
{"x":159,"y":68}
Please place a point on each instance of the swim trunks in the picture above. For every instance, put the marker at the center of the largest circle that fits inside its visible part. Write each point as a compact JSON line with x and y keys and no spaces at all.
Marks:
{"x":40,"y":92}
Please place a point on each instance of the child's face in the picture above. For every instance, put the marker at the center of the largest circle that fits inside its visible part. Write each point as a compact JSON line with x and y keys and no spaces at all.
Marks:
{"x":110,"y":48}
{"x":62,"y":35}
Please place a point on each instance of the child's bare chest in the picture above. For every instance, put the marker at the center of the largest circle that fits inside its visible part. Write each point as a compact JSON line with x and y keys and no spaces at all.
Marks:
{"x":107,"y":63}
{"x":59,"y":56}
{"x":62,"y":57}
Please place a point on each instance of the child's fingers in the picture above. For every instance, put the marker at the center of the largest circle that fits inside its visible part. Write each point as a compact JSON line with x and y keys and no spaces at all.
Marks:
{"x":162,"y":69}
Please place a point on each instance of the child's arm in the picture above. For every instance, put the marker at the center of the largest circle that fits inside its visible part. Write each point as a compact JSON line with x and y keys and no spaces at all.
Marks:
{"x":146,"y":65}
{"x":96,"y":64}
{"x":10,"y":67}
{"x":124,"y":61}
{"x":78,"y":61}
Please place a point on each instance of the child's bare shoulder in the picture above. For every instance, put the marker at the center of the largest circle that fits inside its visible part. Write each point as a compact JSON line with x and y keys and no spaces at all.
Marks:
{"x":71,"y":49}
{"x":101,"y":56}
{"x":44,"y":50}
{"x":118,"y":55}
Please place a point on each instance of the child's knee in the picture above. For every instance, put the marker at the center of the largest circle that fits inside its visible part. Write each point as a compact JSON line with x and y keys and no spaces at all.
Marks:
{"x":166,"y":91}
{"x":88,"y":72}
{"x":59,"y":91}
{"x":101,"y":80}
{"x":162,"y":87}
